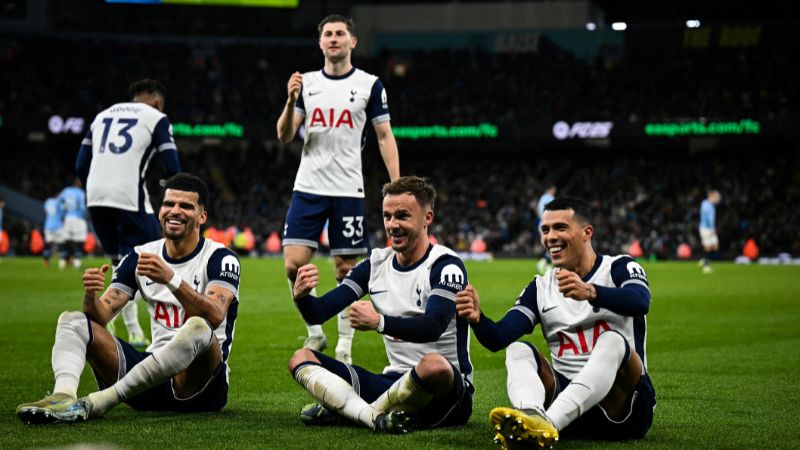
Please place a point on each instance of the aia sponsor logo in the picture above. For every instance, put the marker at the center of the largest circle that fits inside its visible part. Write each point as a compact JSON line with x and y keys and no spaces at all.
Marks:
{"x":331,"y":118}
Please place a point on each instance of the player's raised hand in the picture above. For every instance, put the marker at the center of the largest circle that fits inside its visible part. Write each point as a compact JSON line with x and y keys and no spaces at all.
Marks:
{"x":571,"y":285}
{"x":363,"y":316}
{"x":94,"y":279}
{"x":294,"y":85}
{"x":153,"y":267}
{"x":307,"y":279}
{"x":468,"y":304}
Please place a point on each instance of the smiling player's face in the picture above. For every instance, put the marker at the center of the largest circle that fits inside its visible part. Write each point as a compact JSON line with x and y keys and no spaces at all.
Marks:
{"x":564,"y":236}
{"x":181,"y":214}
{"x":406,"y":223}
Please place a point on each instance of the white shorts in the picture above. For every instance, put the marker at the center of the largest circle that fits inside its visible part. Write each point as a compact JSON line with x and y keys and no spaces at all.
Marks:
{"x":75,"y":229}
{"x":54,"y":236}
{"x":708,"y":237}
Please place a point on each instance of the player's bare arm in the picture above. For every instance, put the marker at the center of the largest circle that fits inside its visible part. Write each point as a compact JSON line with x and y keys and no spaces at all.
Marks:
{"x":210,"y":305}
{"x":468,"y":304}
{"x":571,"y":285}
{"x":101,"y":309}
{"x":307,"y":279}
{"x":388,"y":147}
{"x":363,"y":316}
{"x":289,"y":121}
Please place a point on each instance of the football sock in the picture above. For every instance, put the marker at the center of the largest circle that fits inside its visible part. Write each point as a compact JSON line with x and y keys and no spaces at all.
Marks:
{"x":69,"y":351}
{"x":130,"y":314}
{"x":525,"y":388}
{"x":345,"y":342}
{"x":592,"y":383}
{"x":406,"y":394}
{"x":313,"y":330}
{"x":335,"y":393}
{"x":194,"y":338}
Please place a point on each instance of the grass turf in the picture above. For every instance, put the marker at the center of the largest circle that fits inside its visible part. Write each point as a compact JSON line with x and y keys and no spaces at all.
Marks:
{"x":723,"y":353}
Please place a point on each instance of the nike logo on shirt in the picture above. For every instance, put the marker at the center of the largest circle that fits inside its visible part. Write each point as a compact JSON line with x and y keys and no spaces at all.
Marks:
{"x":544,"y":310}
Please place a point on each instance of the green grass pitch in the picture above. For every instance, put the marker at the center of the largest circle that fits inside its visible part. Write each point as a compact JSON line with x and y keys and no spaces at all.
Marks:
{"x":723,"y":353}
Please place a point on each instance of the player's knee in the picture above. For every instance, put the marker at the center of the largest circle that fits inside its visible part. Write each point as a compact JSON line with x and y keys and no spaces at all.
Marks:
{"x":520,"y":350}
{"x":613,"y":343}
{"x":195,"y":335}
{"x":74,"y":322}
{"x":300,"y":356}
{"x":434,"y":369}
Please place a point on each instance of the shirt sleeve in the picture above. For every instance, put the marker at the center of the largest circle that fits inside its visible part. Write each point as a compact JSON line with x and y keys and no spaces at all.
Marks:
{"x":125,"y":276}
{"x":84,"y":159}
{"x":448,"y":276}
{"x":518,"y":321}
{"x":357,"y":278}
{"x":300,"y":104}
{"x":224,"y":270}
{"x":631,"y":294}
{"x":378,"y":104}
{"x":354,"y":286}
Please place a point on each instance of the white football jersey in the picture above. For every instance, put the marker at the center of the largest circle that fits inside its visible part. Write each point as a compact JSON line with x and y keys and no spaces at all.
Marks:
{"x":404,"y":292}
{"x":210,"y":264}
{"x":571,"y":327}
{"x":335,"y":111}
{"x":124,"y":139}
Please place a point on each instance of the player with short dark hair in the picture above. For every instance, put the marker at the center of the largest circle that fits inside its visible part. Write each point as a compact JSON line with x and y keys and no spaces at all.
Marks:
{"x":412,"y":285}
{"x":591,"y":309}
{"x":334,"y":105}
{"x":191,"y":289}
{"x":113,"y":162}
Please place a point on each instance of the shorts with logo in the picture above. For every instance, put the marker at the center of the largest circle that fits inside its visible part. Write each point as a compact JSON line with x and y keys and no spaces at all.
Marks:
{"x":595,"y":423}
{"x":347,"y":227}
{"x":119,"y":231}
{"x":212,"y":397}
{"x":453,"y":409}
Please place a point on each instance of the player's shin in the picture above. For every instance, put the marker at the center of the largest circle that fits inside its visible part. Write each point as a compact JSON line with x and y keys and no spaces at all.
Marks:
{"x":69,"y":351}
{"x":406,"y":394}
{"x":194,"y":338}
{"x":525,"y":387}
{"x":316,"y":337}
{"x":344,"y":344}
{"x":592,"y":383}
{"x":335,"y":393}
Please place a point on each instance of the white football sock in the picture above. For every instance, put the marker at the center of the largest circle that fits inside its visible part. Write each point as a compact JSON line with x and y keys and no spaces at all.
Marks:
{"x":406,"y":394}
{"x":69,"y":351}
{"x":345,"y":341}
{"x":592,"y":383}
{"x":313,"y":330}
{"x":194,"y":338}
{"x":130,"y":314}
{"x":525,"y":388}
{"x":336,"y":394}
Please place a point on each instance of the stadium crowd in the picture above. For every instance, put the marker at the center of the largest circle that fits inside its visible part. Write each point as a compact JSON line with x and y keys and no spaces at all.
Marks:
{"x":653,"y":199}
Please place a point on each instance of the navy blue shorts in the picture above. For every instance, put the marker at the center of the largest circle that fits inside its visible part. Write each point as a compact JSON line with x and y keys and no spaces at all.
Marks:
{"x":347,"y":229}
{"x":212,"y":397}
{"x":453,"y":409}
{"x":595,"y":424}
{"x":119,"y":231}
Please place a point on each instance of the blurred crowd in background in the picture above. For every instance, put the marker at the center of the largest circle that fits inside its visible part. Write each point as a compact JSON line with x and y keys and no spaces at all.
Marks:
{"x":488,"y":194}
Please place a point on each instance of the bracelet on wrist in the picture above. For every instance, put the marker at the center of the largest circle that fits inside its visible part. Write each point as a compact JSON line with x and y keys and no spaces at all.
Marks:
{"x":175,"y":283}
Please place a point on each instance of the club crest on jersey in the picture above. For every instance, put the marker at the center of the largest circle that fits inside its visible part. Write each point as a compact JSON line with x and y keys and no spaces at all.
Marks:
{"x":636,"y":271}
{"x":352,"y":95}
{"x":452,"y":277}
{"x":333,"y":119}
{"x":230,"y":267}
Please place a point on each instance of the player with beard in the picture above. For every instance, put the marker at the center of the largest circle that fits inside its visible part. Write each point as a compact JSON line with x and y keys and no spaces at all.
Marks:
{"x":190,"y":286}
{"x":412,"y":285}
